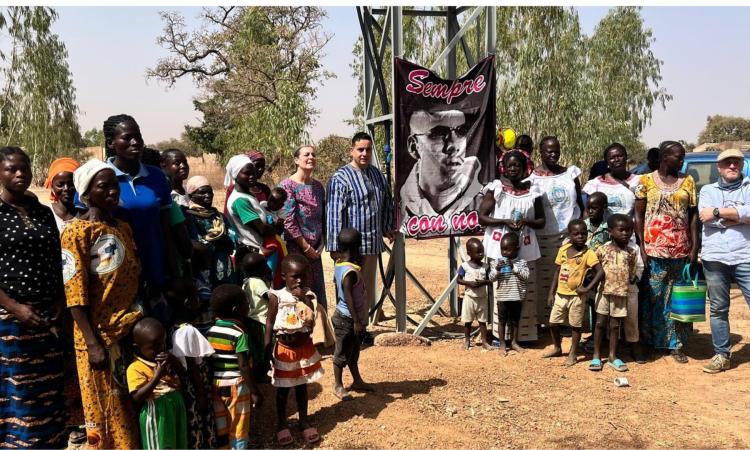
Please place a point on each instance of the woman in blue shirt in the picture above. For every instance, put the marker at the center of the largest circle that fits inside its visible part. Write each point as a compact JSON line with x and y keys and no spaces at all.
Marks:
{"x":145,"y":201}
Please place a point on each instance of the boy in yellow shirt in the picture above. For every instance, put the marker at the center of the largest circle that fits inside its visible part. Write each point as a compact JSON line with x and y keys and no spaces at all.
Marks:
{"x":567,"y":294}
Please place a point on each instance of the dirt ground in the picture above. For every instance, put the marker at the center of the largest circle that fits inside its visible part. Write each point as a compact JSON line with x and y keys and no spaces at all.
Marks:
{"x":444,"y":397}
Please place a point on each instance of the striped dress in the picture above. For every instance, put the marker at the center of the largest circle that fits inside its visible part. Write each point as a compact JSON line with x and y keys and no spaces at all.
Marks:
{"x":232,"y":402}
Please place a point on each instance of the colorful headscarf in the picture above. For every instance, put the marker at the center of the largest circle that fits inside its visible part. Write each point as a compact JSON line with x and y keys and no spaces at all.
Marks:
{"x":59,"y":165}
{"x":83,"y":176}
{"x":195,"y":183}
{"x":255,"y":155}
{"x":234,"y":165}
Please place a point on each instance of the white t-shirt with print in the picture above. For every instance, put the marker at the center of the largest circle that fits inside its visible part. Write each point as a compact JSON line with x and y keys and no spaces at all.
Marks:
{"x":559,"y":200}
{"x":620,"y":199}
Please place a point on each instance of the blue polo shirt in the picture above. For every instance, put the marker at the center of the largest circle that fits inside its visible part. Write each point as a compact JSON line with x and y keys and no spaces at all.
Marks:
{"x":142,"y":198}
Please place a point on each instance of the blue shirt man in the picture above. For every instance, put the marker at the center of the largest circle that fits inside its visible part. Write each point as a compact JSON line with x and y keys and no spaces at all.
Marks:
{"x":358,"y":196}
{"x":724,"y":209}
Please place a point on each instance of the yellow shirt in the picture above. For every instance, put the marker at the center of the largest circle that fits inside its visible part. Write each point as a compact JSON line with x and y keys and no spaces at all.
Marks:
{"x":572,"y":270}
{"x":100,"y":270}
{"x":141,"y":372}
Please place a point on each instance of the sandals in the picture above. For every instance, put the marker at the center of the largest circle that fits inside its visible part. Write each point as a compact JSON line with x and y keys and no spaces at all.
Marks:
{"x":284,"y":437}
{"x":618,"y":365}
{"x":311,"y":435}
{"x":596,"y":365}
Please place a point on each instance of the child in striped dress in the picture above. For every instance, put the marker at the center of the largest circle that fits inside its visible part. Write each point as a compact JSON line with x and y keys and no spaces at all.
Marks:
{"x":294,"y":360}
{"x":512,"y":274}
{"x":234,"y":390}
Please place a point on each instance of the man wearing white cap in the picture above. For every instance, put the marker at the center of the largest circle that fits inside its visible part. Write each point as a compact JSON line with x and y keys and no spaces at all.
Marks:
{"x":724,"y":209}
{"x":443,"y":180}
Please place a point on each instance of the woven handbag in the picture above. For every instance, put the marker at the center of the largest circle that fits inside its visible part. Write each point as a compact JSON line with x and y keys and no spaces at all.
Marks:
{"x":688,"y":301}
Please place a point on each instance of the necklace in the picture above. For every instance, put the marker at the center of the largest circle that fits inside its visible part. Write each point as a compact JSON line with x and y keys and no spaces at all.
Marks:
{"x":663,"y":185}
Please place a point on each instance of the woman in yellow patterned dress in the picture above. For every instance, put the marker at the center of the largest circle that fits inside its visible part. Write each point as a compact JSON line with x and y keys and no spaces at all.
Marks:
{"x":100,"y":270}
{"x":667,"y":226}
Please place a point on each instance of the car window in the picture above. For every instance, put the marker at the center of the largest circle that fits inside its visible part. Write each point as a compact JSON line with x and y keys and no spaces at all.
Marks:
{"x":703,"y":173}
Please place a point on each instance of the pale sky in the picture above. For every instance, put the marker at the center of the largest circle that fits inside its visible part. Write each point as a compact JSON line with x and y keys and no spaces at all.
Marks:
{"x":704,"y":50}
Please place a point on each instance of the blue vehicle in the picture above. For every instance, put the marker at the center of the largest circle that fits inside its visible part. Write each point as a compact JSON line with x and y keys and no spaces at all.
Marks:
{"x":702,"y":167}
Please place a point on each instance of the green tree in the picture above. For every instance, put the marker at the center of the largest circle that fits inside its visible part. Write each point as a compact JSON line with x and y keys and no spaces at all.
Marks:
{"x":539,"y":65}
{"x":37,"y":101}
{"x":258,"y":68}
{"x":93,"y":138}
{"x":554,"y":80}
{"x":623,"y":77}
{"x":725,"y":128}
{"x":183,"y":143}
{"x":332,"y":153}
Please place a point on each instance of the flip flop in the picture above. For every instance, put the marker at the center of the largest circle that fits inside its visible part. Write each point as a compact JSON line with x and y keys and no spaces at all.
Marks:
{"x":284,"y":437}
{"x":311,"y":435}
{"x":618,"y":365}
{"x":595,"y":365}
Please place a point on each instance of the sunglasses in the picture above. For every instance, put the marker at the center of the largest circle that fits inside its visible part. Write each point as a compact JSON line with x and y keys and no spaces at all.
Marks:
{"x":443,"y":132}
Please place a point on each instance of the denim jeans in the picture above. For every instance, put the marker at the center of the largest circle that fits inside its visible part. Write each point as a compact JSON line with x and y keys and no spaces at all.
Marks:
{"x":719,"y":277}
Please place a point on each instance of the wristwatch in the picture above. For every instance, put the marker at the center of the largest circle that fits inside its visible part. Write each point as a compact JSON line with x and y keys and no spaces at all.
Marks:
{"x":716,"y":212}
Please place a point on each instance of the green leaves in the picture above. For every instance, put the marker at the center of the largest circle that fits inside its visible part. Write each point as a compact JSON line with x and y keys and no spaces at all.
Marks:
{"x":725,"y":128}
{"x":37,"y":107}
{"x":259,"y":70}
{"x":589,"y":91}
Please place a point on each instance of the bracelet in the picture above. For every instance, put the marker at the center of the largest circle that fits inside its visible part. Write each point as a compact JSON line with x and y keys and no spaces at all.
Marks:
{"x":308,"y":248}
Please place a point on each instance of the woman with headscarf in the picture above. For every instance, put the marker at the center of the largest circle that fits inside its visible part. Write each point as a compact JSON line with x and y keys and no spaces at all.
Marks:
{"x":62,"y":195}
{"x":31,"y":303}
{"x":100,"y":270}
{"x":209,"y":231}
{"x":257,"y":189}
{"x":512,"y":205}
{"x":62,"y":191}
{"x":243,"y":205}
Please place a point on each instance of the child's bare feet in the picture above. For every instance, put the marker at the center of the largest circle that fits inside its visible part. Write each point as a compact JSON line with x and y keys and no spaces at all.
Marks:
{"x":555,"y":352}
{"x":572,"y":360}
{"x":502,"y":348}
{"x":341,"y":393}
{"x":514,"y":345}
{"x":487,"y":347}
{"x":467,"y":344}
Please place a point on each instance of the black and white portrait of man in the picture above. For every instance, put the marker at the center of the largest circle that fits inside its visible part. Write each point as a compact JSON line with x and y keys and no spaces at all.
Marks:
{"x":443,"y":180}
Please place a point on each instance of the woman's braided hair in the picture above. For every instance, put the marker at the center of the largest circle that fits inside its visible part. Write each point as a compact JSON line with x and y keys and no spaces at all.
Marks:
{"x":109,"y":129}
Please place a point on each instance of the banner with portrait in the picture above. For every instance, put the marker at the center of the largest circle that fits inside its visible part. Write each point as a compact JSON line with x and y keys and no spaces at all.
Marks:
{"x":444,"y":145}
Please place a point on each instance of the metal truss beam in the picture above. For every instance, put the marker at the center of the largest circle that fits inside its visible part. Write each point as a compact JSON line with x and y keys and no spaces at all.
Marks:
{"x":390,"y":28}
